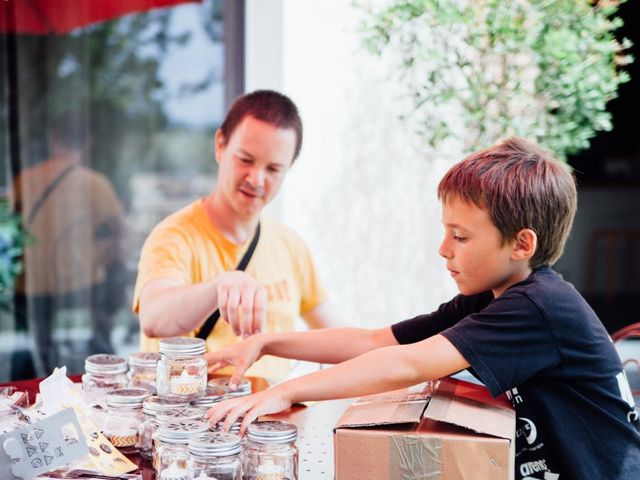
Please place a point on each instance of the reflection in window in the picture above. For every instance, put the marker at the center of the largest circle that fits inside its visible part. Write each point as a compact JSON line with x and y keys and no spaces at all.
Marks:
{"x":112,"y":130}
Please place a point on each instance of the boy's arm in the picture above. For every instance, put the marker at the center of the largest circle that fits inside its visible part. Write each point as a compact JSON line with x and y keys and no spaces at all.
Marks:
{"x":376,"y":371}
{"x":327,"y":345}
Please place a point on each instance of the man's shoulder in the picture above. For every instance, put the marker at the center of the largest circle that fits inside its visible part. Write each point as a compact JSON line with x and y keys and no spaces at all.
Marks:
{"x":277,"y":230}
{"x":187,"y":215}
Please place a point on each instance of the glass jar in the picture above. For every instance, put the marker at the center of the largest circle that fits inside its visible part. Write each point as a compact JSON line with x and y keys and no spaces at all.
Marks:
{"x":103,"y":372}
{"x":124,"y":418}
{"x":270,"y":451}
{"x":215,"y":456}
{"x":211,"y":396}
{"x":142,"y":370}
{"x":244,"y":386}
{"x":182,"y":369}
{"x":151,"y":407}
{"x":172,"y":444}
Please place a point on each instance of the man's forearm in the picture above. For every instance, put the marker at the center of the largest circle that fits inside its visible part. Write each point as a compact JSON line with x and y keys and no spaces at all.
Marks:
{"x":176,"y":310}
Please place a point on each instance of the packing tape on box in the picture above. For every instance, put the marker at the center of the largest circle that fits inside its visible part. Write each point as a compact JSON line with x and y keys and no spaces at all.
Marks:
{"x":414,"y":457}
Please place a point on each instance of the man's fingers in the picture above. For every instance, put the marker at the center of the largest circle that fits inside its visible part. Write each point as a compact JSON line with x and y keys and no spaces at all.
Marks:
{"x":246,"y":310}
{"x":259,"y":310}
{"x":232,"y":306}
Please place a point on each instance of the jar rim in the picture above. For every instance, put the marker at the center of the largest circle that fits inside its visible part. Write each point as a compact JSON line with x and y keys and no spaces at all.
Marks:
{"x":144,"y":359}
{"x":127,"y":397}
{"x":154,"y":404}
{"x":272,"y":431}
{"x":179,"y":432}
{"x":105,"y":363}
{"x":182,"y":346}
{"x":217,"y":444}
{"x":177,"y":413}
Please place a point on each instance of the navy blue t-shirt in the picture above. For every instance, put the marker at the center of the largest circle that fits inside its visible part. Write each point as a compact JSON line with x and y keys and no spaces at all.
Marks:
{"x":543,"y":345}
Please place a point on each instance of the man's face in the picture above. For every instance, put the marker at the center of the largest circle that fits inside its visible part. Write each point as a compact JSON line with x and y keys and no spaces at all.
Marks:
{"x":252,"y":164}
{"x":477,"y":257}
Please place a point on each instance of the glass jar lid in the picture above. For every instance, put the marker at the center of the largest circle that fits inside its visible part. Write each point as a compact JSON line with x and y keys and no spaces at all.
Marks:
{"x":154,"y":404}
{"x":213,"y":395}
{"x":172,"y":415}
{"x":214,"y":444}
{"x":127,"y":397}
{"x":272,"y":431}
{"x":105,"y":363}
{"x":244,"y":386}
{"x":179,"y":432}
{"x":144,"y":359}
{"x":190,"y":346}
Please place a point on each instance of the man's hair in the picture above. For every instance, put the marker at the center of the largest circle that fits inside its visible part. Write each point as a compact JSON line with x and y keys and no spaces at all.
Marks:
{"x":522,"y":186}
{"x":268,"y":106}
{"x":72,"y":128}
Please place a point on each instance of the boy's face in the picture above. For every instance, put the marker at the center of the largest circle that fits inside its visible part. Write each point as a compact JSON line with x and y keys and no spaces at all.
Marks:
{"x":477,"y":257}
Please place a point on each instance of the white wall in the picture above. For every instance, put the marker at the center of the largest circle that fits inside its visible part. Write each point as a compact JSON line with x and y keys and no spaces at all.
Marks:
{"x":360,"y":194}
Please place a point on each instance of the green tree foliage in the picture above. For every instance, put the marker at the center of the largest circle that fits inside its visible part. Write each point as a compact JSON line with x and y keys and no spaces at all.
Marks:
{"x":543,"y":69}
{"x":13,"y":239}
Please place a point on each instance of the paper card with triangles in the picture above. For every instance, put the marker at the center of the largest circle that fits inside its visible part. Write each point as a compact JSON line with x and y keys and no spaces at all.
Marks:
{"x":43,"y":446}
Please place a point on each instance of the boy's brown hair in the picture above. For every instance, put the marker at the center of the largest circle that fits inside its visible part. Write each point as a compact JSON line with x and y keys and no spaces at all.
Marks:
{"x":522,"y":186}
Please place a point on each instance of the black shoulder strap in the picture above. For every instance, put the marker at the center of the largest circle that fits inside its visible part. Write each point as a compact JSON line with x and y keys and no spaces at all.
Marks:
{"x":208,"y":325}
{"x":47,"y":191}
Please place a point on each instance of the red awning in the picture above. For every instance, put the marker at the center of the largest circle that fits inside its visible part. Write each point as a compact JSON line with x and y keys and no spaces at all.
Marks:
{"x":43,"y":17}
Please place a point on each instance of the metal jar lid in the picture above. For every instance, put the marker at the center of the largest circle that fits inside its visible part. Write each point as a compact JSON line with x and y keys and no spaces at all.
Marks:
{"x":127,"y":397}
{"x":244,"y":386}
{"x":212,"y":395}
{"x":105,"y":363}
{"x":144,"y":359}
{"x":188,"y":346}
{"x":153,"y":405}
{"x":272,"y":431}
{"x":179,"y":432}
{"x":176,"y":414}
{"x":214,"y":444}
{"x":235,"y":426}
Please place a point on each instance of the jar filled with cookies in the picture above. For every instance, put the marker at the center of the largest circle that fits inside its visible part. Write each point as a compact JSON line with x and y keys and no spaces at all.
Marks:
{"x":182,"y":369}
{"x":142,"y":370}
{"x":124,"y":418}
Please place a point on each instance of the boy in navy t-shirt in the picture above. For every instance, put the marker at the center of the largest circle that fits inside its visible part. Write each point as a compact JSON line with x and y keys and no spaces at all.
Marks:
{"x":517,"y":325}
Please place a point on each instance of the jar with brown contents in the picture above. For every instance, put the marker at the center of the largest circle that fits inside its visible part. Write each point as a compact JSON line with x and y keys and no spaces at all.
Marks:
{"x":124,"y":418}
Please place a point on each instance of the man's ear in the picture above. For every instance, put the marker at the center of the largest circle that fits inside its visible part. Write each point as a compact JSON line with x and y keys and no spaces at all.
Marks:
{"x":526,"y":242}
{"x":219,"y":144}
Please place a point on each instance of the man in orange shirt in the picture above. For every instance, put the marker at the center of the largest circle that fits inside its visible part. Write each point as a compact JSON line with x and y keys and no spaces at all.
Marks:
{"x":187,"y":267}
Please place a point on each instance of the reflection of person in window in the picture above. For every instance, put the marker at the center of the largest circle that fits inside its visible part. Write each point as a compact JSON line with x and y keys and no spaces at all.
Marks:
{"x":75,"y":216}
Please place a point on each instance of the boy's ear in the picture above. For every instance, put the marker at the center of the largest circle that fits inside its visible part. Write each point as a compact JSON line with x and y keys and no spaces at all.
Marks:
{"x":526,"y":242}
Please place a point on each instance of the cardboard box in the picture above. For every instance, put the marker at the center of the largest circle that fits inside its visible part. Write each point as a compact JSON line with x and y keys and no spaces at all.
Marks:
{"x":462,"y":433}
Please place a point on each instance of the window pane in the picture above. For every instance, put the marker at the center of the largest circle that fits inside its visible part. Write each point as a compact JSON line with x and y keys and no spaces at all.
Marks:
{"x":112,"y":130}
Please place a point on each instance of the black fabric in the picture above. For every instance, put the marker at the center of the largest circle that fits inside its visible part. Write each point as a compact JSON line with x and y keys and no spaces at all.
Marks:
{"x":543,"y":345}
{"x":208,"y":325}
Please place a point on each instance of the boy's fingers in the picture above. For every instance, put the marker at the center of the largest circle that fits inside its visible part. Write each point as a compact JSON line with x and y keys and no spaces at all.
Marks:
{"x":215,"y":366}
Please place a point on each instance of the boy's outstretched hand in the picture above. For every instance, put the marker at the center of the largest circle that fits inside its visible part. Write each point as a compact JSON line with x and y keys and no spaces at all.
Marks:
{"x":241,"y":355}
{"x":249,"y":407}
